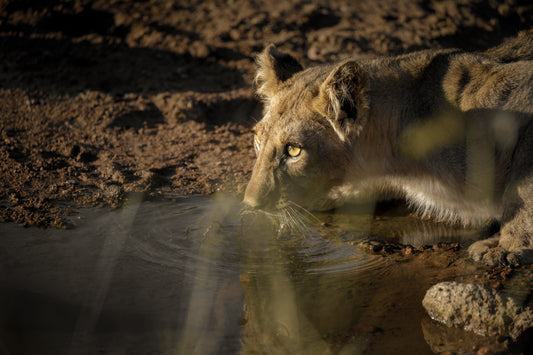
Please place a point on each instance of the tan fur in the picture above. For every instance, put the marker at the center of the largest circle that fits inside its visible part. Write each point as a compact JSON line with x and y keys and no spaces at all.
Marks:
{"x":451,"y":132}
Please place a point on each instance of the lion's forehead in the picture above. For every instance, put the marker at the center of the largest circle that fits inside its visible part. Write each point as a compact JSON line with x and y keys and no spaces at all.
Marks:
{"x":282,"y":131}
{"x":290,"y":107}
{"x":289,"y":116}
{"x":305,"y":132}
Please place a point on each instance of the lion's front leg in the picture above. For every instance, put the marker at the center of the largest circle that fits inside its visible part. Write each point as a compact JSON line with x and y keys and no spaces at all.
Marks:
{"x":513,"y":245}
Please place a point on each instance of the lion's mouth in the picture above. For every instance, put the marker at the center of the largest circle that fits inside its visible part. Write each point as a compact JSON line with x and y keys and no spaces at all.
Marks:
{"x":287,"y":216}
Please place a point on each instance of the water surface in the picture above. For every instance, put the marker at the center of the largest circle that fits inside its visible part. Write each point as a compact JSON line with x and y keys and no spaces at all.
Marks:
{"x":184,"y":275}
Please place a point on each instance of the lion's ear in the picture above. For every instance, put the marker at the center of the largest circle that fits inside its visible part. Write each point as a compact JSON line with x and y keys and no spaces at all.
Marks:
{"x":343,"y":99}
{"x":274,"y":68}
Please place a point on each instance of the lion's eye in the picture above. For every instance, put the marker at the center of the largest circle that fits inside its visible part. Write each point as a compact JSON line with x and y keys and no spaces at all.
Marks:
{"x":257,"y":143}
{"x":293,"y":151}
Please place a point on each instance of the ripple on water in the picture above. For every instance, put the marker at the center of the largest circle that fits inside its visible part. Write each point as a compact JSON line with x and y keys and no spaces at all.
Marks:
{"x":207,"y":236}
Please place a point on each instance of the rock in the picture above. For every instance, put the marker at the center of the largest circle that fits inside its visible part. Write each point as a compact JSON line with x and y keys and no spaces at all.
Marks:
{"x":448,"y":340}
{"x":476,"y":308}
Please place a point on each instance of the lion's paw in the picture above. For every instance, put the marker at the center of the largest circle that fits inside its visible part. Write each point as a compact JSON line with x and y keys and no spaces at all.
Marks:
{"x":491,"y":253}
{"x":498,"y":256}
{"x":480,"y":248}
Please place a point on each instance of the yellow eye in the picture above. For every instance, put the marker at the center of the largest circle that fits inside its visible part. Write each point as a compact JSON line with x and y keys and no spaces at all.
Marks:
{"x":293,"y":151}
{"x":257,"y":143}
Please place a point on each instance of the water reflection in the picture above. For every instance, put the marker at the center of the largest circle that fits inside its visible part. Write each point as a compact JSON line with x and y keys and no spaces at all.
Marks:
{"x":187,"y":275}
{"x":275,"y":266}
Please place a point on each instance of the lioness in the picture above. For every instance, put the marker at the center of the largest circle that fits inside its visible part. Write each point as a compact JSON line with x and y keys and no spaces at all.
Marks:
{"x":451,"y":132}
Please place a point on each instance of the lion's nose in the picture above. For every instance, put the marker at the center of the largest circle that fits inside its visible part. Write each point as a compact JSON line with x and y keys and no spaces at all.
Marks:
{"x":260,"y":189}
{"x":257,"y":195}
{"x":251,"y":200}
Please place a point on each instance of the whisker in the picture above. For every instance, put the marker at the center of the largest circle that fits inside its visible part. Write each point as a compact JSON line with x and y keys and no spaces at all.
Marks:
{"x":308,"y":214}
{"x":296,"y":224}
{"x":292,"y":218}
{"x":301,"y":220}
{"x":297,"y":220}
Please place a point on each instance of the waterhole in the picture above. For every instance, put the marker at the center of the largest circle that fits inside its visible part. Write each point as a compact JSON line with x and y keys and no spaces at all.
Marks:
{"x":197,"y":275}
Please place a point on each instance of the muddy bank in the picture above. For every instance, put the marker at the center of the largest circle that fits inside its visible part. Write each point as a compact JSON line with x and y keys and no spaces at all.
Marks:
{"x":99,"y":98}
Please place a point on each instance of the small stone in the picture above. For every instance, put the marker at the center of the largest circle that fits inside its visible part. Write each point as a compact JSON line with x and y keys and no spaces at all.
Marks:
{"x":235,"y":34}
{"x":408,"y":250}
{"x":200,"y":50}
{"x":113,"y":191}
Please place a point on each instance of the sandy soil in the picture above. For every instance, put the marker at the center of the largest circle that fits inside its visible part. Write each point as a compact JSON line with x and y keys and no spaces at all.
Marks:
{"x":98,"y":98}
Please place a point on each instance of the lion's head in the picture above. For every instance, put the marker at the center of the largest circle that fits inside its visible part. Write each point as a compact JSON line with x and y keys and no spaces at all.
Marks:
{"x":304,"y":142}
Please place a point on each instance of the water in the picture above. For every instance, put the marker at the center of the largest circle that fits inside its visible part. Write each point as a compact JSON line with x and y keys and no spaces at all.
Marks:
{"x":191,"y":275}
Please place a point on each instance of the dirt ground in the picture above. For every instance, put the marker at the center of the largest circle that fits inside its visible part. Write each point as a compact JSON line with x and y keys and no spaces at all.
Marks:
{"x":99,"y":98}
